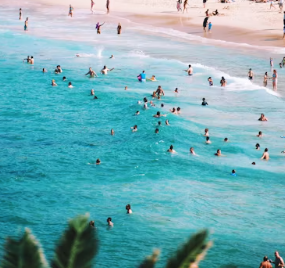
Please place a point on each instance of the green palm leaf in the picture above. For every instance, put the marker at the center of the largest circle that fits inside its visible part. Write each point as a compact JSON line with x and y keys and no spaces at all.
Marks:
{"x":23,"y":253}
{"x":191,"y":253}
{"x":77,"y":246}
{"x":150,"y":261}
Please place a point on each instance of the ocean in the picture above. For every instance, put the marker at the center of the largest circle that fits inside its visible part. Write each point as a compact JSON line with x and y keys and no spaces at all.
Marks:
{"x":52,"y":136}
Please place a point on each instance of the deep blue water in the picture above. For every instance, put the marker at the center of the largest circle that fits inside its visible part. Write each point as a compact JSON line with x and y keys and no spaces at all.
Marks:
{"x":50,"y":135}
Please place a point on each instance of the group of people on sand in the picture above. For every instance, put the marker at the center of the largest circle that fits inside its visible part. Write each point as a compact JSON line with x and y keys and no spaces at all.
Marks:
{"x":109,"y":219}
{"x":71,"y":8}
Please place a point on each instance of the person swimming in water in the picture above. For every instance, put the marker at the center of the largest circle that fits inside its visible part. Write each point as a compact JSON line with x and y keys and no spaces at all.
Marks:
{"x":189,"y":70}
{"x":171,"y":150}
{"x":176,"y":90}
{"x":167,"y":122}
{"x":156,"y":131}
{"x":208,"y":140}
{"x":206,"y":132}
{"x":178,"y":110}
{"x":128,"y":208}
{"x":265,"y":155}
{"x":109,"y":221}
{"x":112,"y":56}
{"x":98,"y":27}
{"x":27,"y":59}
{"x":44,"y":70}
{"x":173,"y":111}
{"x":153,"y":79}
{"x":204,"y":103}
{"x":134,"y":128}
{"x":105,"y":70}
{"x":92,"y":224}
{"x":142,"y":77}
{"x":262,"y":118}
{"x":257,"y":146}
{"x":159,"y":91}
{"x":112,"y":132}
{"x":158,"y":114}
{"x":226,"y":140}
{"x":91,"y":73}
{"x":218,"y":153}
{"x":192,"y":151}
{"x":98,"y":161}
{"x":234,"y":173}
{"x":223,"y":82}
{"x":32,"y":61}
{"x":70,"y":85}
{"x":259,"y":135}
{"x":53,"y":83}
{"x":250,"y":74}
{"x":64,"y":78}
{"x":210,"y":81}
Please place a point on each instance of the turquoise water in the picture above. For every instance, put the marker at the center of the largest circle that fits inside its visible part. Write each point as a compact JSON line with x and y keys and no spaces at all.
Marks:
{"x":49,"y":135}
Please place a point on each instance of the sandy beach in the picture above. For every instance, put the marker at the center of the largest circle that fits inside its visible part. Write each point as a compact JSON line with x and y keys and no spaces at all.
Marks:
{"x":240,"y":21}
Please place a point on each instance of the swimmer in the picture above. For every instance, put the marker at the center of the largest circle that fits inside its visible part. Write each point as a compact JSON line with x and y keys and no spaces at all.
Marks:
{"x":219,"y":153}
{"x":128,"y":208}
{"x":257,"y":146}
{"x":134,"y":128}
{"x":262,"y":118}
{"x":226,"y":140}
{"x":189,"y":70}
{"x":92,"y":224}
{"x":98,"y":161}
{"x":176,"y":90}
{"x":95,"y":98}
{"x":142,"y":77}
{"x":259,"y":135}
{"x":159,"y":123}
{"x":32,"y":60}
{"x":77,"y":55}
{"x":91,"y":73}
{"x":208,"y":140}
{"x":210,"y":81}
{"x":234,"y":173}
{"x":58,"y":69}
{"x":145,"y":105}
{"x":157,"y":115}
{"x":53,"y":83}
{"x":154,"y":94}
{"x":64,"y":78}
{"x":250,"y":74}
{"x":109,"y":220}
{"x":204,"y":103}
{"x":44,"y":70}
{"x":156,"y":131}
{"x":152,"y":104}
{"x":192,"y":151}
{"x":265,"y":155}
{"x":105,"y":70}
{"x":159,"y":91}
{"x":171,"y":150}
{"x":173,"y":111}
{"x":112,"y":56}
{"x":161,"y":105}
{"x":126,"y":88}
{"x":112,"y":132}
{"x":152,"y":79}
{"x":253,"y":163}
{"x":92,"y":92}
{"x":167,"y":122}
{"x":27,"y":59}
{"x":178,"y":110}
{"x":137,"y":113}
{"x":145,"y":99}
{"x":206,"y":132}
{"x":223,"y":82}
{"x":70,"y":85}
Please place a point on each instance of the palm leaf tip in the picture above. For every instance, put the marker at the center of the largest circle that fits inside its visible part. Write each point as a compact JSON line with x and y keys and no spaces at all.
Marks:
{"x":78,"y":245}
{"x":26,"y":252}
{"x":192,"y":252}
{"x":150,"y":261}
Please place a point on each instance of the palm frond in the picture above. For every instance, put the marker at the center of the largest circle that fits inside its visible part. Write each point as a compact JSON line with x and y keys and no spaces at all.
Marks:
{"x":78,"y":245}
{"x":23,"y":253}
{"x":191,"y":253}
{"x":150,"y":261}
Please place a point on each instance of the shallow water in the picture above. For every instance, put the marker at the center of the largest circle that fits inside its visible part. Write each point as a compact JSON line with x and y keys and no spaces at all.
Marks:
{"x":51,"y":136}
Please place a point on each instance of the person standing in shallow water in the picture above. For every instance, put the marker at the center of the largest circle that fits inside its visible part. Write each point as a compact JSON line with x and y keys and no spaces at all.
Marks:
{"x":108,"y":6}
{"x":119,"y":28}
{"x":274,"y":79}
{"x":26,"y":24}
{"x":70,"y":13}
{"x":265,"y":263}
{"x":20,"y":14}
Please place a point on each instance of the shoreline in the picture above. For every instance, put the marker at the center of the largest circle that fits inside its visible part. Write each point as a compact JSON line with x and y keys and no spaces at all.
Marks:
{"x":261,"y":33}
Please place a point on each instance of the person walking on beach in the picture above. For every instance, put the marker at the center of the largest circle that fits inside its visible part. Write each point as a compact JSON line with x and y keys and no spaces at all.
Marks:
{"x":274,"y":79}
{"x":271,"y":4}
{"x":70,"y":13}
{"x":20,"y":14}
{"x":209,"y":27}
{"x":265,"y":263}
{"x":179,"y":2}
{"x":108,"y":6}
{"x":98,"y":27}
{"x":185,"y":5}
{"x":205,"y":22}
{"x":92,"y":5}
{"x":204,"y":3}
{"x":279,"y":263}
{"x":119,"y":28}
{"x":26,"y":24}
